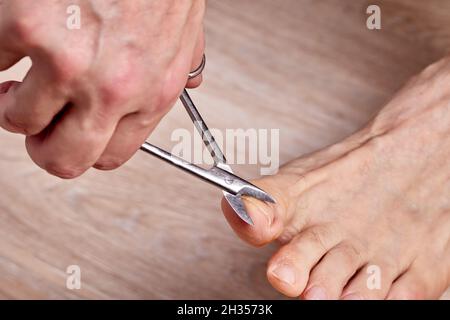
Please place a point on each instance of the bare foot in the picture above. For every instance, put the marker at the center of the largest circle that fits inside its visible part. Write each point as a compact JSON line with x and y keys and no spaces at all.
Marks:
{"x":380,"y":198}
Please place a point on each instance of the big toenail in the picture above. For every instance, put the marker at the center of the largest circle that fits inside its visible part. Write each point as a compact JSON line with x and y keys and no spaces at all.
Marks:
{"x":352,"y":296}
{"x":266,"y":210}
{"x":316,"y":293}
{"x":285,"y":274}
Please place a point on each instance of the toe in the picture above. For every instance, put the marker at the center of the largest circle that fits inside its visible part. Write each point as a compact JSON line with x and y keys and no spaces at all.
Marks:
{"x":269,"y":219}
{"x":329,"y":277}
{"x":419,"y":282}
{"x":288,"y":270}
{"x":372,"y":282}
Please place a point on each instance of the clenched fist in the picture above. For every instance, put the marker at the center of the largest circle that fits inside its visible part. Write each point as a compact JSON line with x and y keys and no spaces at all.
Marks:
{"x":94,"y":94}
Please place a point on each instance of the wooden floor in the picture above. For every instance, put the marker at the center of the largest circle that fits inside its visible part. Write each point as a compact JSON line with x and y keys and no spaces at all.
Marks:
{"x":309,"y":68}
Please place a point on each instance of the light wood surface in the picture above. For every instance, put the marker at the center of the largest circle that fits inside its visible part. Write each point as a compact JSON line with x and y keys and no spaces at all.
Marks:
{"x":146,"y":230}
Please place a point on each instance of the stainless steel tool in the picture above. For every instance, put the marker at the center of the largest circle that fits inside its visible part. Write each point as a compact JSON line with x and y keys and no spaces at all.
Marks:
{"x":220,"y":174}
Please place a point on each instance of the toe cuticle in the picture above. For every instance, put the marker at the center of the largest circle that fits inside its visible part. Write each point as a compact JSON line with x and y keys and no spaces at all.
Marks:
{"x":284,"y":273}
{"x":316,"y":293}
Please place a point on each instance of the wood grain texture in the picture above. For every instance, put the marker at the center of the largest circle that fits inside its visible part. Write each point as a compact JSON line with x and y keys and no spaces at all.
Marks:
{"x":146,"y":230}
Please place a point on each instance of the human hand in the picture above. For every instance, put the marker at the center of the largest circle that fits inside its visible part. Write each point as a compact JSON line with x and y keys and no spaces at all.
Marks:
{"x":93,"y":95}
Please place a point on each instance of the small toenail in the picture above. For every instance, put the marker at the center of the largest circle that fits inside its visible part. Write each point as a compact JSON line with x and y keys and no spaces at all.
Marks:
{"x":316,"y":293}
{"x":285,"y":274}
{"x":352,"y":296}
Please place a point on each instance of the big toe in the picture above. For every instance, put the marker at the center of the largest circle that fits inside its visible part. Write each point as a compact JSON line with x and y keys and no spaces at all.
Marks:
{"x":268,"y":218}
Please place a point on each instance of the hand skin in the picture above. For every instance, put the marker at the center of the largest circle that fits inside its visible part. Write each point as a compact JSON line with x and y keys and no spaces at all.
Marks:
{"x":94,"y":95}
{"x":378,"y":198}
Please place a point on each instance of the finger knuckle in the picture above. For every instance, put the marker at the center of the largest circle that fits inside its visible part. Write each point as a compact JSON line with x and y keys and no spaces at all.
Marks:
{"x":144,"y":119}
{"x":24,"y":27}
{"x":69,"y":67}
{"x":158,"y":104}
{"x":112,"y":94}
{"x":109,"y":163}
{"x":168,"y":94}
{"x":26,"y":127}
{"x":117,"y":88}
{"x":169,"y":88}
{"x":63,"y":170}
{"x":10,"y":124}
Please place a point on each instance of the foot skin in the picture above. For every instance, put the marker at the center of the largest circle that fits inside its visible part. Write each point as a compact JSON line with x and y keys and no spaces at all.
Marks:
{"x":367,"y":218}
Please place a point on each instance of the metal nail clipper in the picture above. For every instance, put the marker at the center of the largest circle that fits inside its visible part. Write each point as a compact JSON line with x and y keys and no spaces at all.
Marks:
{"x":220,"y":174}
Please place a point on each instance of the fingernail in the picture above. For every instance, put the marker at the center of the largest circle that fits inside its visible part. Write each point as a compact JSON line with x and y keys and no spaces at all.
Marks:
{"x":352,"y":296}
{"x":285,"y":274}
{"x":316,"y":293}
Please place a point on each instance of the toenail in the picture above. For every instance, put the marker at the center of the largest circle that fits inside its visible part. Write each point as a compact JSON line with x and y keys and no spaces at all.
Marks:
{"x":285,"y":274}
{"x":265,"y":209}
{"x":352,"y":296}
{"x":316,"y":293}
